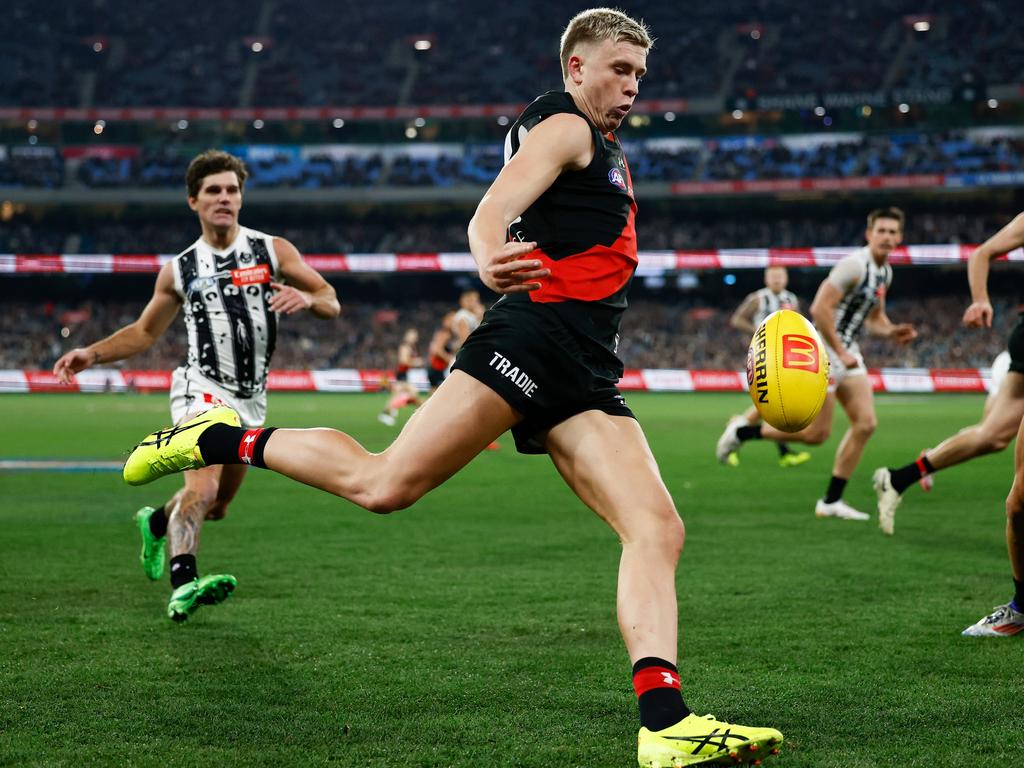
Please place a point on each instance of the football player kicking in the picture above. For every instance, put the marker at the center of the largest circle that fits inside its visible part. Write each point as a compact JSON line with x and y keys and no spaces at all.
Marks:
{"x":554,"y":235}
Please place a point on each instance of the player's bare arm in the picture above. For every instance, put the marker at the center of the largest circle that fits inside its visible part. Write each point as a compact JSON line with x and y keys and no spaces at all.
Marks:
{"x":306,"y":288}
{"x":561,"y":142}
{"x":743,"y":318}
{"x":979,"y":313}
{"x":878,"y":324}
{"x":823,"y":313}
{"x":134,"y":338}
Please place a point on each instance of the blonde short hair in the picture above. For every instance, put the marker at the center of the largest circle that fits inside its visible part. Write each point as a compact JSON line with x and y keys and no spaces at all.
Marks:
{"x":599,"y":24}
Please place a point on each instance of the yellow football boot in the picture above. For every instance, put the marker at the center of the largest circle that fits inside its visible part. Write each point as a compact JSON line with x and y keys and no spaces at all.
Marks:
{"x":174,"y":449}
{"x":702,"y":740}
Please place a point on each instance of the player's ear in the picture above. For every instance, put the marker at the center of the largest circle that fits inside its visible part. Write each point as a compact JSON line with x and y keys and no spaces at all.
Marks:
{"x":192,"y":202}
{"x":575,"y":67}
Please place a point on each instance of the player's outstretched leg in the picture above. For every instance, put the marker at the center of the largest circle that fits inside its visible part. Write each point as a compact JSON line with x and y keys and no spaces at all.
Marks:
{"x":703,"y":740}
{"x":207,"y":590}
{"x":174,"y":449}
{"x":153,"y":556}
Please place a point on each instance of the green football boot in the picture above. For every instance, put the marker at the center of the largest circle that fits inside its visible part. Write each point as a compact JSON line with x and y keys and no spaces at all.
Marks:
{"x":208,"y":590}
{"x":153,"y":557}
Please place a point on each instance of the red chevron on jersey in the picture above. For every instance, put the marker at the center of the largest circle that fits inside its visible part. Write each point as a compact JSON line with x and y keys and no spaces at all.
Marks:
{"x":592,"y":275}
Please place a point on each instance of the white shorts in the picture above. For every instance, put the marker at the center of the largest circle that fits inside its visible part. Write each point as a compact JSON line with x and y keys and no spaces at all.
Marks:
{"x":838,"y":373}
{"x":1000,"y":367}
{"x":193,"y":393}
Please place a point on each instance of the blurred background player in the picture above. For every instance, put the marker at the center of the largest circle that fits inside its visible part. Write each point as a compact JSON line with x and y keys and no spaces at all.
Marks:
{"x":997,"y":375}
{"x":1002,"y":418}
{"x":402,"y":391}
{"x":747,"y":317}
{"x":852,"y":297}
{"x":439,"y":352}
{"x":230,"y":283}
{"x":467,"y":318}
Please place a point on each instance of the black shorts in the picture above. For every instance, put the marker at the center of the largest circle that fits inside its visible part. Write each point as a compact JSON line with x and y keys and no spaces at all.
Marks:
{"x":1015,"y":344}
{"x":435,"y":377}
{"x":401,"y":375}
{"x":540,"y":367}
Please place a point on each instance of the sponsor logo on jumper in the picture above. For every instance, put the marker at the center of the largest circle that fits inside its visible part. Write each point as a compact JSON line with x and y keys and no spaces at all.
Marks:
{"x":757,"y":367}
{"x":510,"y":371}
{"x":251,"y":275}
{"x":616,"y":177}
{"x":198,"y":285}
{"x":800,"y":352}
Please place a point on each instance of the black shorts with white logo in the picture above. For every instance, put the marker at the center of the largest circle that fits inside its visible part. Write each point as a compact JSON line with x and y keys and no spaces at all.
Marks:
{"x":1015,"y":344}
{"x":541,"y":368}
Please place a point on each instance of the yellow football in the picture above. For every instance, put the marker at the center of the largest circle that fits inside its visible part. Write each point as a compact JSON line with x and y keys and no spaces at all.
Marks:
{"x":787,"y":370}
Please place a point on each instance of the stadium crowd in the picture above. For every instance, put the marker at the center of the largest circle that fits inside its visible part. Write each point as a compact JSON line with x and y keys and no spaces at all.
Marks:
{"x":679,"y":332}
{"x":308,"y":52}
{"x":670,"y":160}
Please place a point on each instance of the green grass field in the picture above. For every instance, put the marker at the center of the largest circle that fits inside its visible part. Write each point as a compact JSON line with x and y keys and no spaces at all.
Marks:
{"x":478,"y":628}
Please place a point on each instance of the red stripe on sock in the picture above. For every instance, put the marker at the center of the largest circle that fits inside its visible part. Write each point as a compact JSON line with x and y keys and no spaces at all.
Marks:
{"x":650,"y":678}
{"x":921,"y":467}
{"x":245,"y":447}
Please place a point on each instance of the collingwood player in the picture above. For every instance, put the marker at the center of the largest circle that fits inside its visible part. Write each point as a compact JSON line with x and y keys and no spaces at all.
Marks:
{"x":232,"y":283}
{"x":554,"y":234}
{"x":748,"y":316}
{"x":851,"y":298}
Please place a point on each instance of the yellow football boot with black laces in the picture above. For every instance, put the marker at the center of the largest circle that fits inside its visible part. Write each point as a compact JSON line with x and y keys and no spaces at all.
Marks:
{"x":174,"y":449}
{"x":702,"y":740}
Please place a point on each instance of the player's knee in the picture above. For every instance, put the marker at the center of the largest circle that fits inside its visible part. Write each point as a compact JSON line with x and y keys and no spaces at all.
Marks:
{"x":865,"y":428}
{"x":391,"y":497}
{"x":217,"y":511}
{"x":663,"y":532}
{"x":816,"y":435}
{"x":1015,"y":505}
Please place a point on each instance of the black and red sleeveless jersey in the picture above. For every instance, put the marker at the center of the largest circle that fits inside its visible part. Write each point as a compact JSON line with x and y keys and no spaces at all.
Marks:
{"x":583,"y":225}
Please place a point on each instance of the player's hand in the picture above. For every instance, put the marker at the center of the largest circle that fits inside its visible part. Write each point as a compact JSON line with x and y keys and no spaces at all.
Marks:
{"x":71,"y":363}
{"x":978,"y":315}
{"x":903,"y":333}
{"x":507,"y":271}
{"x":850,"y":361}
{"x":288,"y":299}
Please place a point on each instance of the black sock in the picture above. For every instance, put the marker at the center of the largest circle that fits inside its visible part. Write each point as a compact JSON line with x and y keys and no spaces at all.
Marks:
{"x":224,"y":444}
{"x":183,"y":570}
{"x":783,"y":449}
{"x":1018,"y":598}
{"x":904,"y":477}
{"x":158,"y":523}
{"x":836,"y":486}
{"x":656,"y":683}
{"x":749,"y":433}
